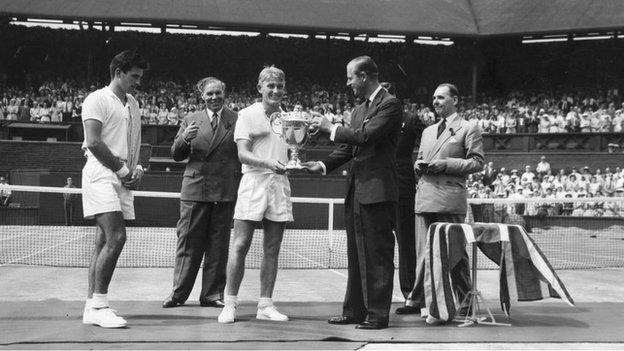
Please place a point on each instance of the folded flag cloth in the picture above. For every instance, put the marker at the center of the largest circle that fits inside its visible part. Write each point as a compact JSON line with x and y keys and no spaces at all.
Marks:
{"x":525,"y":273}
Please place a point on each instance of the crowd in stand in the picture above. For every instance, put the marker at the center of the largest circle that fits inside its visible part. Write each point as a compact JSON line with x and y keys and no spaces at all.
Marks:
{"x":554,"y":186}
{"x":601,"y":112}
{"x":162,"y":103}
{"x":166,"y":103}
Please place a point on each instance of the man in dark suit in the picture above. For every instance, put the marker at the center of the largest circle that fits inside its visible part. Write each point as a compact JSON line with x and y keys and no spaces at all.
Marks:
{"x":207,"y":198}
{"x":411,"y":130}
{"x":370,"y":203}
{"x":449,"y":151}
{"x":489,"y":175}
{"x":69,"y":202}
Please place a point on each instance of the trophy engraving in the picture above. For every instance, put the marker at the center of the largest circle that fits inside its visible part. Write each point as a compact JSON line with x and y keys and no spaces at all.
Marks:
{"x":294,"y":128}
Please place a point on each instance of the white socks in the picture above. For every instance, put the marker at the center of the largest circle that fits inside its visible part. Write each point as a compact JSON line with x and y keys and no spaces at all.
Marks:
{"x":99,"y":301}
{"x":231,"y":300}
{"x":265,"y":302}
{"x":228,"y":313}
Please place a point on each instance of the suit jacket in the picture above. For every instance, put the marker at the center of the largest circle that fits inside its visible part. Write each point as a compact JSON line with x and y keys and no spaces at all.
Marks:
{"x":213,"y":170}
{"x":489,"y":177}
{"x":371,"y":143}
{"x":463,"y":151}
{"x":411,"y":130}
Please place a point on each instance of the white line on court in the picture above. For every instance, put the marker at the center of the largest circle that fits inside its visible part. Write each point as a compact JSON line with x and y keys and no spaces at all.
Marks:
{"x":492,"y":346}
{"x":44,"y":250}
{"x":394,"y":296}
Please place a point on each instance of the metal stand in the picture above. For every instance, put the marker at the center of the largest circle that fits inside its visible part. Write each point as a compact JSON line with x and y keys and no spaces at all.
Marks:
{"x":475,"y":300}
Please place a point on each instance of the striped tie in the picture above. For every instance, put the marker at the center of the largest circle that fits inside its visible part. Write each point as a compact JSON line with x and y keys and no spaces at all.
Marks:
{"x":214,"y":122}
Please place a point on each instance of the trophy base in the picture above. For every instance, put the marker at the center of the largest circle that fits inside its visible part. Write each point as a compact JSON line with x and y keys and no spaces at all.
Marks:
{"x":294,"y":167}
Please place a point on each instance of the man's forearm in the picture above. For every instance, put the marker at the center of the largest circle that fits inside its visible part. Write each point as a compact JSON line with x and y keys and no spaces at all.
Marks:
{"x":250,"y":159}
{"x":103,"y":154}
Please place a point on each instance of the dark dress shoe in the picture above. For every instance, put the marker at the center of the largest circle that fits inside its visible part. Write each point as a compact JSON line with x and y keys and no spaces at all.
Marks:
{"x":171,"y":302}
{"x":407,"y":310}
{"x":214,"y":303}
{"x":371,"y":325}
{"x":343,"y":320}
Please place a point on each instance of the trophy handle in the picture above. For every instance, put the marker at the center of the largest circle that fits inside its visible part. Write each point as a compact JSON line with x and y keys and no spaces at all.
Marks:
{"x":309,"y":122}
{"x":276,"y":121}
{"x":314,"y":132}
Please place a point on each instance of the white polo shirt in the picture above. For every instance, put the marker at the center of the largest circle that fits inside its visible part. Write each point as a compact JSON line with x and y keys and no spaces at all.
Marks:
{"x":254,"y":125}
{"x":103,"y":105}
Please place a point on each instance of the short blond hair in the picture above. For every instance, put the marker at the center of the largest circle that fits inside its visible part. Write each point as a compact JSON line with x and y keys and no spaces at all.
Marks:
{"x":271,"y":72}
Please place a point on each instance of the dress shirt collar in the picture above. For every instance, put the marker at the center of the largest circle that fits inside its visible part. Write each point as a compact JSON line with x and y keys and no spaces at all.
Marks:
{"x":211,"y":114}
{"x":450,"y":118}
{"x":374,"y":94}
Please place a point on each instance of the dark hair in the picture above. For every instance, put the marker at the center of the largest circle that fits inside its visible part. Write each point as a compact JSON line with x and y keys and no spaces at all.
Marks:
{"x":452,"y":89}
{"x":366,"y":64}
{"x":125,"y":60}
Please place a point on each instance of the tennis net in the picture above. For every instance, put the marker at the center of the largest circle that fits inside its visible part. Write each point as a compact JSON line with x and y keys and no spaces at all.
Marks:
{"x":32,"y":231}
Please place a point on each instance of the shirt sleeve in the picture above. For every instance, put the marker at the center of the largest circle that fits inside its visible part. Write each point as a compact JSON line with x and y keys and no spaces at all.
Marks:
{"x":332,"y":135}
{"x":93,"y":108}
{"x":242,"y":129}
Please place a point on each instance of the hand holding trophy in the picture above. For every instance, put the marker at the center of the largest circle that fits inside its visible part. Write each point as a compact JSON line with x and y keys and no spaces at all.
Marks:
{"x":294,"y":128}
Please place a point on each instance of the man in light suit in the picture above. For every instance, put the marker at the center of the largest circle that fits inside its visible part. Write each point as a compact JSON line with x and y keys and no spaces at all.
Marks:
{"x":449,"y":151}
{"x":207,"y":198}
{"x":372,"y":194}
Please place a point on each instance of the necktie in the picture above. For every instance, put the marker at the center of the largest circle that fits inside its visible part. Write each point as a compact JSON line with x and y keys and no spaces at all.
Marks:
{"x":441,"y":127}
{"x":214,"y":122}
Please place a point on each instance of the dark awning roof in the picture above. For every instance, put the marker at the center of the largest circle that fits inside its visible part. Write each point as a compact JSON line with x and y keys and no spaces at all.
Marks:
{"x":417,"y":17}
{"x":507,"y":17}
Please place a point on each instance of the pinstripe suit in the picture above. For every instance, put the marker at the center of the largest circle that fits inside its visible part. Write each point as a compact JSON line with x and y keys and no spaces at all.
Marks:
{"x":207,"y":199}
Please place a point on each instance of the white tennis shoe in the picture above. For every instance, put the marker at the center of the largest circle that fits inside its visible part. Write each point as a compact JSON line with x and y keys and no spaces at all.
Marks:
{"x":270,"y":313}
{"x":228,"y":314}
{"x":103,"y":317}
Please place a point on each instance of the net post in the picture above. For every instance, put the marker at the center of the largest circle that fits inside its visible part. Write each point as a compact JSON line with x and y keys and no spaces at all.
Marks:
{"x":330,"y":225}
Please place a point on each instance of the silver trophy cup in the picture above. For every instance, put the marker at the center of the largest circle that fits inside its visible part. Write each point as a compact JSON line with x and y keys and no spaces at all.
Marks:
{"x":294,"y":128}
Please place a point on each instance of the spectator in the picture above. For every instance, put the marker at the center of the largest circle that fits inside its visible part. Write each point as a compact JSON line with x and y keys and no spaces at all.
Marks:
{"x":585,"y":123}
{"x":618,"y":121}
{"x":172,"y":117}
{"x":23,"y":112}
{"x":572,"y":121}
{"x":163,"y":112}
{"x":5,"y":193}
{"x":544,"y":122}
{"x":69,"y":202}
{"x":12,"y":110}
{"x":568,"y":207}
{"x":500,"y":209}
{"x":528,"y":176}
{"x":595,"y":122}
{"x":517,"y":208}
{"x":489,"y":174}
{"x":543,"y":167}
{"x":510,"y":123}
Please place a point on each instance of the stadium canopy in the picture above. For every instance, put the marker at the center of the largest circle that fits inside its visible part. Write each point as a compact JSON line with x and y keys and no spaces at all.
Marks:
{"x":436,"y":18}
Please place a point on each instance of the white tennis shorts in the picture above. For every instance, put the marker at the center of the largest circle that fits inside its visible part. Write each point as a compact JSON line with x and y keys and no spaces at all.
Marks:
{"x":264,"y":196}
{"x":103,"y":192}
